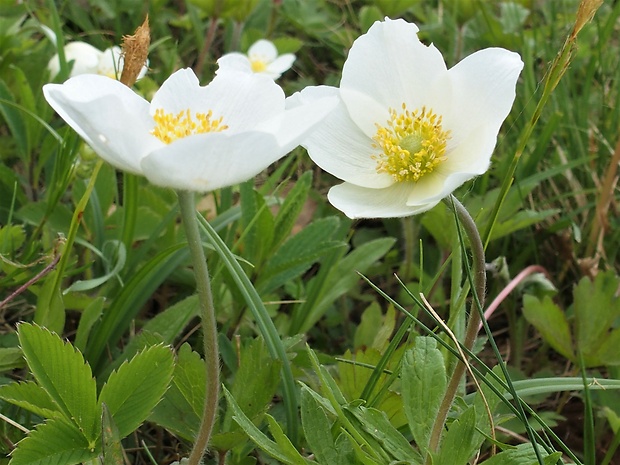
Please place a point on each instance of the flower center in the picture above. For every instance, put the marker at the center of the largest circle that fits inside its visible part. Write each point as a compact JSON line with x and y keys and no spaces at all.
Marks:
{"x":413,"y":144}
{"x":258,"y":65}
{"x":170,"y":127}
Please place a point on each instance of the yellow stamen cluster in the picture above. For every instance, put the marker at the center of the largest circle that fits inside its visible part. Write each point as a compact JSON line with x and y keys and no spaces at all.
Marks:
{"x":169,"y":127}
{"x":413,"y":144}
{"x":258,"y":65}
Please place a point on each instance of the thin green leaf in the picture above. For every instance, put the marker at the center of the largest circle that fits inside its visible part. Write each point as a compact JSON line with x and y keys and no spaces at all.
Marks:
{"x":261,"y":440}
{"x":286,"y":446}
{"x":90,"y":316}
{"x":128,"y":302}
{"x":290,"y":209}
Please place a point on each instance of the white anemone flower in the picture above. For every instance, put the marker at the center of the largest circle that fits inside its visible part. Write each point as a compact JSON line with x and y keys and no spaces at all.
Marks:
{"x":407,"y":131}
{"x":262,"y":58}
{"x":189,"y":137}
{"x":90,"y":60}
{"x":84,"y":56}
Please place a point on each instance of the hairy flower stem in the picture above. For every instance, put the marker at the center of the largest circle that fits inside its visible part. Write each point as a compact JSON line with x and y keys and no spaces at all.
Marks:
{"x":209,"y":329}
{"x":479,"y":276}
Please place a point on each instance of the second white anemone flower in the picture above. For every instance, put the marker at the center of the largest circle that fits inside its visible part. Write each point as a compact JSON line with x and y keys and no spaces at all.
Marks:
{"x":87,"y":59}
{"x":189,"y":137}
{"x":262,"y":58}
{"x":408,"y":131}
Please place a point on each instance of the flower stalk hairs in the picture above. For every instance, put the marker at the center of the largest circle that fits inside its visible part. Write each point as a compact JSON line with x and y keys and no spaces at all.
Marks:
{"x":191,"y":138}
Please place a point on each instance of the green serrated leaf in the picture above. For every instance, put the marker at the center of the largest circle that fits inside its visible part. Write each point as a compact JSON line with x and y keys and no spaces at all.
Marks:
{"x":596,"y":308}
{"x":550,"y":322}
{"x":137,"y":386}
{"x":60,"y":369}
{"x":30,"y":396}
{"x":255,"y":382}
{"x":423,"y":377}
{"x":317,"y":429}
{"x":180,"y":411}
{"x":55,"y":442}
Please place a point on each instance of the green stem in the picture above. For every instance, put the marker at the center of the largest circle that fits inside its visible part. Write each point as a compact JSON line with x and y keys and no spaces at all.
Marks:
{"x":469,"y":226}
{"x":209,"y":328}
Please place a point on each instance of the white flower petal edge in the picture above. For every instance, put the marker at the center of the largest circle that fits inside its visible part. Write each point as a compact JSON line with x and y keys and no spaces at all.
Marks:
{"x":234,"y":61}
{"x":359,"y":202}
{"x":389,"y":65}
{"x":108,"y":115}
{"x":263,"y":50}
{"x":338,"y":146}
{"x":84,"y":56}
{"x":283,"y":63}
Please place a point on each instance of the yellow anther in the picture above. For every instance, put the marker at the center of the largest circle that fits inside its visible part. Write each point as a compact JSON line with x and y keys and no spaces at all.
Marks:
{"x":412,"y":144}
{"x":169,"y":127}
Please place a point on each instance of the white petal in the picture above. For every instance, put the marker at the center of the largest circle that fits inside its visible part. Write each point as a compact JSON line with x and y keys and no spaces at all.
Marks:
{"x":234,"y":61}
{"x":360,"y":202}
{"x":339,"y":147}
{"x":390,"y":65}
{"x":295,"y":123}
{"x":263,"y":50}
{"x":110,"y":63}
{"x":482,"y":91}
{"x":205,"y":162}
{"x":179,"y":92}
{"x":244,"y":100}
{"x":281,"y":64}
{"x":112,"y":119}
{"x":473,"y":154}
{"x":84,"y":56}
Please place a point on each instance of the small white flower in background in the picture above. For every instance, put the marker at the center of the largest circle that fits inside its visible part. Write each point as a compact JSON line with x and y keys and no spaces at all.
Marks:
{"x":90,"y":60}
{"x":189,"y":137}
{"x":262,"y":58}
{"x":408,"y":131}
